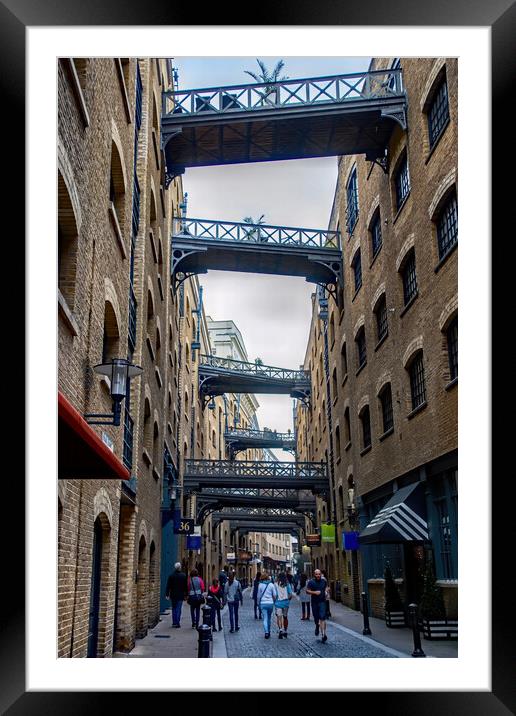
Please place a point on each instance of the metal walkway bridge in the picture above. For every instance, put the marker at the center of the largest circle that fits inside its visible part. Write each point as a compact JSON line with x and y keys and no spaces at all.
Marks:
{"x":206,"y":474}
{"x":292,"y":119}
{"x":247,"y":498}
{"x":226,"y":375}
{"x":240,"y":439}
{"x":202,"y":244}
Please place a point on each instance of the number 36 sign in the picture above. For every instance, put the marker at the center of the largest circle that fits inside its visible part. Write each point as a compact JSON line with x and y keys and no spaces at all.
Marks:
{"x":184,"y":526}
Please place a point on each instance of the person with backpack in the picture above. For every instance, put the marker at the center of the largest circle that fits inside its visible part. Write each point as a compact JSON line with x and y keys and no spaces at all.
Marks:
{"x":256,"y":584}
{"x":304,"y":598}
{"x":283,"y":597}
{"x":234,"y":597}
{"x":214,"y":600}
{"x":266,"y":598}
{"x":195,"y":596}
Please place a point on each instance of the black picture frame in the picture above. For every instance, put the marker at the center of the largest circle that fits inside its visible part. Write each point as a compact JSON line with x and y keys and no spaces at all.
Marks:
{"x":500,"y":16}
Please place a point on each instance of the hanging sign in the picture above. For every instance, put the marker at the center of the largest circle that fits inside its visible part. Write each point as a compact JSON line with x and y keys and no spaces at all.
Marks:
{"x":350,"y":540}
{"x":184,"y":526}
{"x":313,"y":540}
{"x":328,"y":533}
{"x":231,"y":557}
{"x":193,"y":542}
{"x":244,"y":556}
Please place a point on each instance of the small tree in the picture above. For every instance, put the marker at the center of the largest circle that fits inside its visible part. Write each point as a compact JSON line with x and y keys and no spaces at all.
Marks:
{"x":254,"y":231}
{"x":268,"y":77}
{"x":392,"y":596}
{"x":432,"y":602}
{"x":258,"y":361}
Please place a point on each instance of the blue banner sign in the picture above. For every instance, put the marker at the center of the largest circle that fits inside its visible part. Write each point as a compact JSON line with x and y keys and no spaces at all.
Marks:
{"x":350,"y":540}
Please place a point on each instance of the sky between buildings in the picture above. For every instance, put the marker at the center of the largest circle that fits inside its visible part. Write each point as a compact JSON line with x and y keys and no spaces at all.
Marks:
{"x":273,"y":313}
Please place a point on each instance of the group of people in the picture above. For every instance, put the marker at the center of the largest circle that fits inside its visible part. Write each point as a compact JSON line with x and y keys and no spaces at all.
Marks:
{"x":224,"y":590}
{"x":269,"y":595}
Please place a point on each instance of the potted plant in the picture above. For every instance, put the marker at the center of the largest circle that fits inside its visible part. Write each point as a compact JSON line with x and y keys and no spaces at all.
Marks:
{"x":394,"y":612}
{"x":432,"y":612}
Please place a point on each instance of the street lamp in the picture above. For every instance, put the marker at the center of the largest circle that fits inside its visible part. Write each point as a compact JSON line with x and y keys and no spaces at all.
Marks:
{"x":352,"y":511}
{"x":119,"y":371}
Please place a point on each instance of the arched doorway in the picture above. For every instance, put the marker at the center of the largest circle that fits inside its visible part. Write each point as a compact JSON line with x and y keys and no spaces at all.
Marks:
{"x":96,"y":575}
{"x":142,"y":590}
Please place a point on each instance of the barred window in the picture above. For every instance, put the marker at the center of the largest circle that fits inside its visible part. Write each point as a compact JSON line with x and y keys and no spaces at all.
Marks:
{"x":402,"y":182}
{"x":376,"y":234}
{"x":352,"y":202}
{"x":409,"y":277}
{"x":439,"y":113}
{"x":381,"y":318}
{"x":453,"y":348}
{"x":366,"y":427}
{"x":386,"y":403}
{"x":347,"y":425}
{"x":361,"y":347}
{"x":417,"y":381}
{"x":357,"y":270}
{"x":447,"y":227}
{"x":344,"y":360}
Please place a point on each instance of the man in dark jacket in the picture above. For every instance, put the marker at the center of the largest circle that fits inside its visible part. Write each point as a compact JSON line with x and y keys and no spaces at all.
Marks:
{"x":176,"y":591}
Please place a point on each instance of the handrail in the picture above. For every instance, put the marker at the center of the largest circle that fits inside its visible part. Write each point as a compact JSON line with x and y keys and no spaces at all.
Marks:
{"x":240,"y":433}
{"x":211,"y":230}
{"x":329,"y":89}
{"x":261,"y":468}
{"x":258,"y":370}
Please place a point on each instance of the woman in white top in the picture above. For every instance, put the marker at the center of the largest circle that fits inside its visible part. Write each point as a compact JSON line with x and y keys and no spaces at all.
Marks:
{"x":266,"y":596}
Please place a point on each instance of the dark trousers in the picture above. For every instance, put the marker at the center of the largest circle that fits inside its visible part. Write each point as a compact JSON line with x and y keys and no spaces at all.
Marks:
{"x":176,"y":610}
{"x":233,"y":614}
{"x":305,"y":606}
{"x":195,"y":612}
{"x":257,"y":609}
{"x":215,"y":614}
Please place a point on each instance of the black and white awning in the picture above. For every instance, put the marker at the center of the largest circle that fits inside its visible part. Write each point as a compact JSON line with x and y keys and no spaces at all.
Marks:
{"x":401,"y":520}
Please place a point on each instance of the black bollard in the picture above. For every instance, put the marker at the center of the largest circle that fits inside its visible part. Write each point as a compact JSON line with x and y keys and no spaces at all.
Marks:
{"x":366,"y":630}
{"x":206,"y":617}
{"x":203,"y":650}
{"x":418,"y":651}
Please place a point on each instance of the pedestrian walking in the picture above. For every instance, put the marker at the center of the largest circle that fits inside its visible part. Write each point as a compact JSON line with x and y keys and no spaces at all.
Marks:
{"x":195,"y":596}
{"x":214,"y":600}
{"x":176,"y":591}
{"x":255,"y":596}
{"x":234,"y":597}
{"x":304,"y":598}
{"x":316,"y":588}
{"x":290,"y":577}
{"x":283,"y":597}
{"x":266,"y":598}
{"x":327,"y":596}
{"x":223,"y":578}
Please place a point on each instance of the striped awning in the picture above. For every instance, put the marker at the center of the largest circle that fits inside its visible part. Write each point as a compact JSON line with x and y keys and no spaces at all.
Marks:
{"x":401,"y":520}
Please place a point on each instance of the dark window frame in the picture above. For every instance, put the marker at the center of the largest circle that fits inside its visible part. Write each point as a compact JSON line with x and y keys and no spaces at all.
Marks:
{"x":438,"y":113}
{"x":356,"y":265}
{"x":376,"y":234}
{"x":416,"y":371}
{"x":409,"y":277}
{"x":352,"y":202}
{"x":385,"y":397}
{"x":365,"y":420}
{"x":380,"y":311}
{"x":360,"y":341}
{"x":452,"y":340}
{"x":402,"y":180}
{"x":446,"y":225}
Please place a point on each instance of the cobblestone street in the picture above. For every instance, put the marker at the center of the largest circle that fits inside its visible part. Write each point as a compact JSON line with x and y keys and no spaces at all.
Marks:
{"x":249,"y":641}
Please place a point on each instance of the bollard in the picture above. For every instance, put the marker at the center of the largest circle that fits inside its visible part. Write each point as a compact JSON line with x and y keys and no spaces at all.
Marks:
{"x":418,"y":651}
{"x":365,"y":608}
{"x":206,"y":617}
{"x":203,"y":650}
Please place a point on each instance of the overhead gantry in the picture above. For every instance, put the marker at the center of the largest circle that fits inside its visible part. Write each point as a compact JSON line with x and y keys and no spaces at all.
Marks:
{"x":251,"y":517}
{"x":202,"y":244}
{"x":240,"y":439}
{"x":262,"y":474}
{"x":226,"y":375}
{"x":222,"y":498}
{"x":290,"y":119}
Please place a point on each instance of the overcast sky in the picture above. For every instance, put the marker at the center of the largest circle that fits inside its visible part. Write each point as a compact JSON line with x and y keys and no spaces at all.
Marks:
{"x":272,"y":312}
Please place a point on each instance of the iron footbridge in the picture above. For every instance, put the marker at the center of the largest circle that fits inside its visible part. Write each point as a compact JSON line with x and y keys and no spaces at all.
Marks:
{"x":206,"y":474}
{"x":259,"y":516}
{"x":247,"y":499}
{"x":202,"y":244}
{"x":290,"y":119}
{"x":240,"y":439}
{"x":226,"y":375}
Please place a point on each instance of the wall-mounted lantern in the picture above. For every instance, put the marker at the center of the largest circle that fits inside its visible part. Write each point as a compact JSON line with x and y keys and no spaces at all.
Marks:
{"x":119,"y":371}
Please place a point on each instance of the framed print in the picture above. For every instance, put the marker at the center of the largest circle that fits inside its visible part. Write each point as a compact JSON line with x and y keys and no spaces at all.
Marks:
{"x":38,"y":674}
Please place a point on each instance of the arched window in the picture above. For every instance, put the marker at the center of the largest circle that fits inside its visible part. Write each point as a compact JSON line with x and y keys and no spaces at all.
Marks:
{"x":408,"y":277}
{"x":357,"y":270}
{"x":365,"y":420}
{"x":380,"y":312}
{"x":344,"y":360}
{"x":111,"y":337}
{"x":337,"y":442}
{"x":347,"y":424}
{"x":375,"y":231}
{"x":416,"y":372}
{"x":332,"y":329}
{"x":437,"y":109}
{"x":117,"y":187}
{"x":385,"y":398}
{"x":147,"y":427}
{"x":156,"y":448}
{"x":67,"y":240}
{"x":446,"y":225}
{"x":452,"y":339}
{"x":361,"y":348}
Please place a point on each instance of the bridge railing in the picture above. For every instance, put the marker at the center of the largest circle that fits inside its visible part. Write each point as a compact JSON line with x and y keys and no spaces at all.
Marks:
{"x":331,"y":89}
{"x":252,"y":468}
{"x":208,"y":230}
{"x":248,"y":433}
{"x":256,"y":369}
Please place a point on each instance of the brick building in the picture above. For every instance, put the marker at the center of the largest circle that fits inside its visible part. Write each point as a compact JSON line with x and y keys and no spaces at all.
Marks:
{"x":384,"y":368}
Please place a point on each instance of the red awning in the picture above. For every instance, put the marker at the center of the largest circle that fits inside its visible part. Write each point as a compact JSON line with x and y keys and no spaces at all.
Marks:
{"x":81,"y":453}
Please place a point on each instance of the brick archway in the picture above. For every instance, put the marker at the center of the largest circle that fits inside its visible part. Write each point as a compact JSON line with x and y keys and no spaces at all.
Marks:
{"x":142,"y":589}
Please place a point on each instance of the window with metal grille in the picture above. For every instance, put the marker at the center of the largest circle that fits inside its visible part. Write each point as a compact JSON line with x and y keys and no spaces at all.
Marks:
{"x":402,"y":182}
{"x":453,"y":348}
{"x":447,"y":233}
{"x":386,"y":403}
{"x":417,"y":381}
{"x":366,"y":427}
{"x":352,"y":202}
{"x":438,"y":113}
{"x":357,"y":270}
{"x":381,"y":318}
{"x":376,"y":234}
{"x":361,"y":347}
{"x":409,"y":277}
